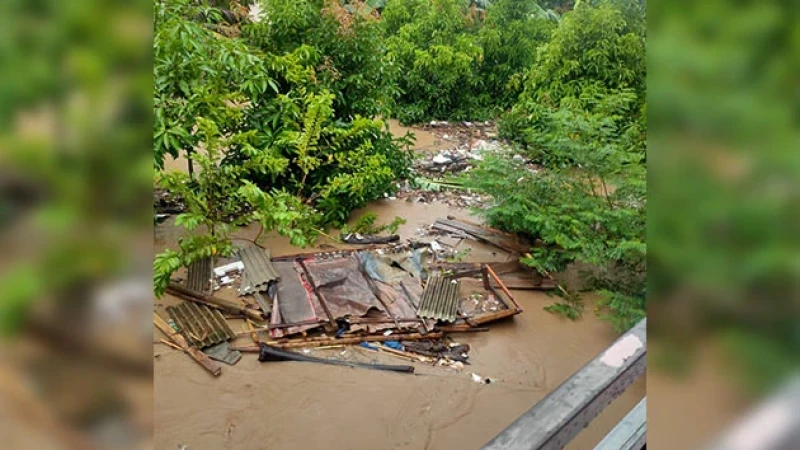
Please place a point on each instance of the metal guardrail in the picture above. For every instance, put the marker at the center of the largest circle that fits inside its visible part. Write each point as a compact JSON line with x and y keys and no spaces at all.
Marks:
{"x":772,"y":425}
{"x":553,"y":422}
{"x":629,"y":434}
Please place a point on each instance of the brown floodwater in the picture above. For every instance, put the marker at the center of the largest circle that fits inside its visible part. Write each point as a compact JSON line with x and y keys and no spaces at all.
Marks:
{"x":256,"y":405}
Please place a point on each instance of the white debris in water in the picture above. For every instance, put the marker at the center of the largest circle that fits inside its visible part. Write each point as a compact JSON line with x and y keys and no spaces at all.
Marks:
{"x":477,"y":378}
{"x":305,"y":350}
{"x":441,"y":159}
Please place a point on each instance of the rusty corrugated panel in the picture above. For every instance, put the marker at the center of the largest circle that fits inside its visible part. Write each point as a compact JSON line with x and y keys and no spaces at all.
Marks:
{"x":440,"y":298}
{"x":201,"y":325}
{"x":258,"y":268}
{"x":198,"y":275}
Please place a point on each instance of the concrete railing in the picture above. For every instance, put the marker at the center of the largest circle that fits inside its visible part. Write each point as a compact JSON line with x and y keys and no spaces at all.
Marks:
{"x":553,"y":422}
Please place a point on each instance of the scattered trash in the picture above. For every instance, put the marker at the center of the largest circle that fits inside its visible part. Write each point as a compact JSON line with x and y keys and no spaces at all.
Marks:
{"x":268,"y":354}
{"x":480,"y":380}
{"x":393,"y":344}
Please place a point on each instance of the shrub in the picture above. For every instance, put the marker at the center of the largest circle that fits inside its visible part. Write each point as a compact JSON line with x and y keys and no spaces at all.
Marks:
{"x":596,"y":51}
{"x":260,"y":119}
{"x":586,"y":205}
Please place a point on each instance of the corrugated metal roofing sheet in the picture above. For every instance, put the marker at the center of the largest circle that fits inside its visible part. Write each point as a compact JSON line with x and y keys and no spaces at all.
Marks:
{"x":440,"y":298}
{"x":199,"y":275}
{"x":258,"y":268}
{"x":201,"y":325}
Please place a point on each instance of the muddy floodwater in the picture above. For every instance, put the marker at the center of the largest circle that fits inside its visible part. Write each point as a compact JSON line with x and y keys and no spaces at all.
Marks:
{"x":296,"y":405}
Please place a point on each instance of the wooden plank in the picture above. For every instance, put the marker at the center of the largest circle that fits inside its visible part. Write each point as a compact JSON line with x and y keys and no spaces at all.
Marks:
{"x":630,"y":432}
{"x":196,"y":354}
{"x":503,"y":287}
{"x":553,"y":422}
{"x":319,"y":342}
{"x":188,"y":294}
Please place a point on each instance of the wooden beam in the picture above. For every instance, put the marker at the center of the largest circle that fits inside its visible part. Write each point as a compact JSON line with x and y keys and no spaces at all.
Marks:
{"x":553,"y":422}
{"x":630,"y":432}
{"x":320,"y":342}
{"x":178,"y":339}
{"x":189,"y":294}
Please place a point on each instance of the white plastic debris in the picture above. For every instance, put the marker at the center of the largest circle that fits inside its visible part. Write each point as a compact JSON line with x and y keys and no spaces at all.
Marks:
{"x":441,"y":159}
{"x":225,"y":280}
{"x":256,"y":13}
{"x":477,"y":378}
{"x":446,"y":137}
{"x":387,"y":332}
{"x":305,"y":350}
{"x":435,"y":246}
{"x":222,"y":270}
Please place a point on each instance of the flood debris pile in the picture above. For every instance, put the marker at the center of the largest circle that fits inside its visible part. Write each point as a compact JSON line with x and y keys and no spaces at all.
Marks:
{"x":435,"y":172}
{"x":401,"y":300}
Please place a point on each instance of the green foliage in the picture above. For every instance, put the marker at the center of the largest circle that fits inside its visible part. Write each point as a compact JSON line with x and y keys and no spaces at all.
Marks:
{"x":273,"y":111}
{"x":586,"y":204}
{"x":510,"y":37}
{"x":595,"y":51}
{"x":219,"y":199}
{"x":456,"y":61}
{"x":350,"y":59}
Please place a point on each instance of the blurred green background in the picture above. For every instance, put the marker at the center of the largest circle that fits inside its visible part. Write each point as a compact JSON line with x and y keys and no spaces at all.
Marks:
{"x":724,"y":260}
{"x":75,"y":218}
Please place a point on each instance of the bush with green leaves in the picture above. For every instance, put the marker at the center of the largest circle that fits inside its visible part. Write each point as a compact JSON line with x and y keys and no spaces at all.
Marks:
{"x":262,"y":126}
{"x":595,"y":51}
{"x":510,"y":37}
{"x":584,"y":204}
{"x":461,"y":60}
{"x":351,"y":60}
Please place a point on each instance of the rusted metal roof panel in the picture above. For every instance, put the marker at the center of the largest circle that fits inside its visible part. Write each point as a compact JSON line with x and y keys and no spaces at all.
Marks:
{"x":258,"y":268}
{"x":198,"y":275}
{"x":201,"y":325}
{"x":440,"y":298}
